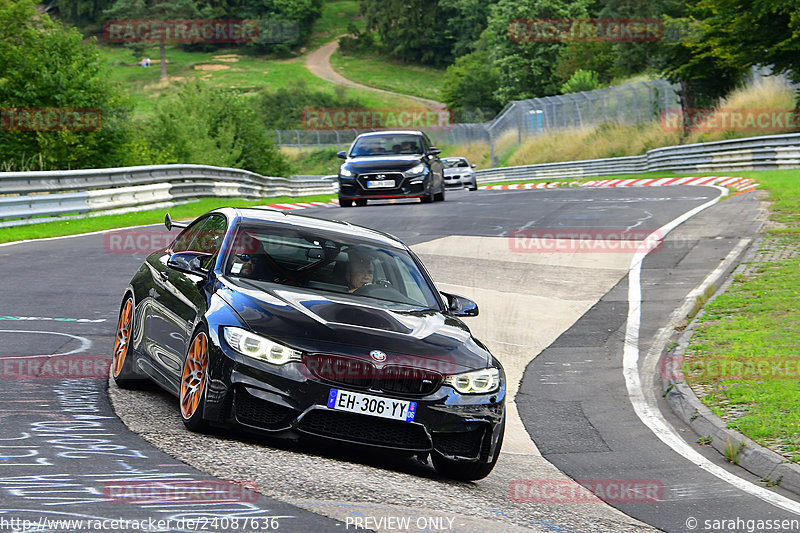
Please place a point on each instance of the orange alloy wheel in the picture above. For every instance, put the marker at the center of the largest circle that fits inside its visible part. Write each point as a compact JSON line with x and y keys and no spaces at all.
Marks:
{"x":193,"y":377}
{"x":123,"y":336}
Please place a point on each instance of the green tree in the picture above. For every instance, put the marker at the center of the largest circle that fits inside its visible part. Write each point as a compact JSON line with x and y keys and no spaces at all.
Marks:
{"x":527,"y":69}
{"x":749,"y":32}
{"x":466,"y":20}
{"x":470,"y":85}
{"x":410,"y":30}
{"x":704,"y":76}
{"x":83,"y":13}
{"x":297,"y":16}
{"x":211,"y":126}
{"x":46,"y":65}
{"x":154,"y":10}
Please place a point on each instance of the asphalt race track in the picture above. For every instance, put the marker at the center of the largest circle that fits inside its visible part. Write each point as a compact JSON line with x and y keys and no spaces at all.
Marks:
{"x":557,"y":317}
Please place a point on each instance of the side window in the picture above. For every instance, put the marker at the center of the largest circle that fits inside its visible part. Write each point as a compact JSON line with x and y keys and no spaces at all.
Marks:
{"x":185,"y":238}
{"x":413,"y":290}
{"x":209,"y":238}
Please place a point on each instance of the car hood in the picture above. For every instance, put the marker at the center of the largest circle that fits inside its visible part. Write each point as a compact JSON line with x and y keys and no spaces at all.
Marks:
{"x":397,"y":163}
{"x":457,"y":171}
{"x":317,"y":322}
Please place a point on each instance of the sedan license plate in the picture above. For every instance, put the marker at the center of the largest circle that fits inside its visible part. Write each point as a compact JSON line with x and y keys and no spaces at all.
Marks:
{"x":367,"y":404}
{"x":375,"y":184}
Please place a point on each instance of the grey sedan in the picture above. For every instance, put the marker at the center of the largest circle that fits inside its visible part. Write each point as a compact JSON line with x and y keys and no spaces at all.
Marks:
{"x":458,"y":173}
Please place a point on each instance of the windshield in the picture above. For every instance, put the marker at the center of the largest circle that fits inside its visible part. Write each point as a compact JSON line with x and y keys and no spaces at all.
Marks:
{"x":389,"y":144}
{"x":328,"y":262}
{"x":453,"y":163}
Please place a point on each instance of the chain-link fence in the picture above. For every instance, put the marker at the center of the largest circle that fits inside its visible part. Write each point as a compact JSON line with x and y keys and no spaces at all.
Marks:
{"x":642,"y":101}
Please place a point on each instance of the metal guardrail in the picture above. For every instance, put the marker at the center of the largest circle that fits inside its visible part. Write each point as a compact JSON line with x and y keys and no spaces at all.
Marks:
{"x":26,"y":195}
{"x":755,"y":153}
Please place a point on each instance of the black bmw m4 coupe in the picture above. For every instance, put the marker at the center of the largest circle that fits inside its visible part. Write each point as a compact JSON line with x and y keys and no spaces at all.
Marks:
{"x":295,"y":326}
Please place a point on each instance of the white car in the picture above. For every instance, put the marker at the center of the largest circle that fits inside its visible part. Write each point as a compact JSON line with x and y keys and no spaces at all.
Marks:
{"x":458,"y":173}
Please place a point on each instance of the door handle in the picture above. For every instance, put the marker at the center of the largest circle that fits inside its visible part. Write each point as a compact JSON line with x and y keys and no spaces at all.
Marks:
{"x":164,"y":275}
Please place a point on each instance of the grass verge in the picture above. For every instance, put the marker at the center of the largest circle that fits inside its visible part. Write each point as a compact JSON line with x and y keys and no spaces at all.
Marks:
{"x":390,"y":75}
{"x":743,"y":360}
{"x":155,"y":216}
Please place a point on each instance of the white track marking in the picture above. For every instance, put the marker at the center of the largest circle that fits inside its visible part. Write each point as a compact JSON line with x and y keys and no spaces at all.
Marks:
{"x":645,"y":405}
{"x":85,"y":343}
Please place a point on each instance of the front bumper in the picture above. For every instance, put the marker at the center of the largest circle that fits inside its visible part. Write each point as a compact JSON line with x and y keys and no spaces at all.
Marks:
{"x":288,"y":401}
{"x":405,"y":187}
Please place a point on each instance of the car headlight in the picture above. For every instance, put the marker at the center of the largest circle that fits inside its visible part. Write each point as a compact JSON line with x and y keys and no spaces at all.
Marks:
{"x":258,"y":347}
{"x":475,"y":382}
{"x":416,"y":171}
{"x":343,"y":172}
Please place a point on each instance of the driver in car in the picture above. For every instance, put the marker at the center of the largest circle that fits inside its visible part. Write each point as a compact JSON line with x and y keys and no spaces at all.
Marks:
{"x":360,"y":271}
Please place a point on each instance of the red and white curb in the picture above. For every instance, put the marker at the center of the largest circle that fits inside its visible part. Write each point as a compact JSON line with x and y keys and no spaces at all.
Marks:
{"x":303,"y":205}
{"x":740,"y":184}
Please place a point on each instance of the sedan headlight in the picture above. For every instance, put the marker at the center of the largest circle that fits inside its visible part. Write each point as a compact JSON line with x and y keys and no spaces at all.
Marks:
{"x":346,"y":173}
{"x":416,"y":171}
{"x":258,"y":347}
{"x":475,"y":382}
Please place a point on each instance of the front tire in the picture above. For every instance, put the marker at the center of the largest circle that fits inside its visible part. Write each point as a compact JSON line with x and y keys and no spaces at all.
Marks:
{"x":194,"y":378}
{"x":361,"y":202}
{"x":439,"y":197}
{"x":428,"y":197}
{"x":345,"y":203}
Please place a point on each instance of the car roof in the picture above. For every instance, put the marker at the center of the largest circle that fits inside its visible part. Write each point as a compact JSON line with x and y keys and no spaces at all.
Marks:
{"x":391,"y":132}
{"x":267,"y":214}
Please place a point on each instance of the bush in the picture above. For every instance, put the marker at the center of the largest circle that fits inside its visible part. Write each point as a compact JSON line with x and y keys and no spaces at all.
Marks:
{"x":209,"y":126}
{"x":581,"y":80}
{"x":283,"y":109}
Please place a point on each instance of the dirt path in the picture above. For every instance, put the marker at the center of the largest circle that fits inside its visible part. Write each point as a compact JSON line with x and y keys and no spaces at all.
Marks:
{"x":319,"y":64}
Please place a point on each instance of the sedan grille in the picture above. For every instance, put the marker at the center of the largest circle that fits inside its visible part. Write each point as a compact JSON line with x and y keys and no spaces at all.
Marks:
{"x":350,"y":372}
{"x":397,"y":177}
{"x":364,"y":429}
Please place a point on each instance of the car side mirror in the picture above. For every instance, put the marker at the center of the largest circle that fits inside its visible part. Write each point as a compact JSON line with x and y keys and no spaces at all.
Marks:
{"x":341,"y":155}
{"x":189,"y":262}
{"x":460,"y":306}
{"x":170,"y":224}
{"x":434,"y":151}
{"x":473,"y":165}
